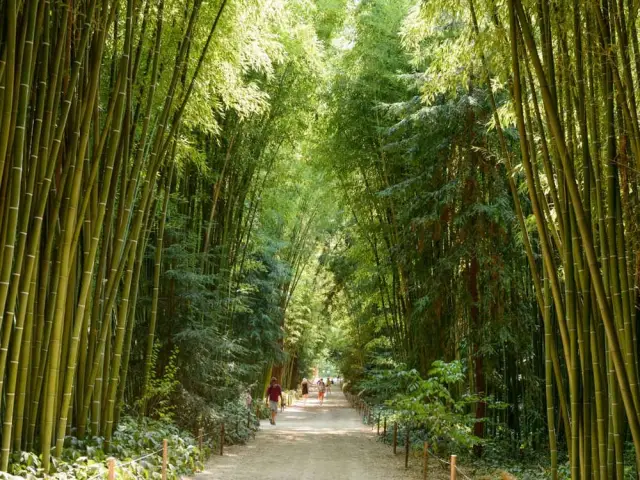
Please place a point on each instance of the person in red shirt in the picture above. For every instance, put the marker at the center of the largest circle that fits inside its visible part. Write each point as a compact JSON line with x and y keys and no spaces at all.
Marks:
{"x":274,"y":392}
{"x":321,"y":389}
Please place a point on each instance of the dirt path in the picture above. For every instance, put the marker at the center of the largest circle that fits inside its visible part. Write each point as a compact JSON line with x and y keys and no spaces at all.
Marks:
{"x":314,"y":442}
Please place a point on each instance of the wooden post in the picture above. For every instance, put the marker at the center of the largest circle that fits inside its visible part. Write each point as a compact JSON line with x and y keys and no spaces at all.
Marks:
{"x":165,"y":455}
{"x":384,"y":431}
{"x":111,"y":464}
{"x":395,"y":436}
{"x":200,"y":436}
{"x":425,"y":460}
{"x":453,"y":467}
{"x":407,"y":442}
{"x":221,"y":439}
{"x":378,"y":432}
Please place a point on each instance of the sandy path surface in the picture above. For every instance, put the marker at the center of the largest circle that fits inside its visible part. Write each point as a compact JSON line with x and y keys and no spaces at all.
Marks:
{"x":314,"y":442}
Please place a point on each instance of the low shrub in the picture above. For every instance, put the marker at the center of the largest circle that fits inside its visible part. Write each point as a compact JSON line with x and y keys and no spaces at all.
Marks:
{"x":262,"y":410}
{"x":429,"y":406}
{"x":445,"y":420}
{"x":137,"y":446}
{"x":240,"y":421}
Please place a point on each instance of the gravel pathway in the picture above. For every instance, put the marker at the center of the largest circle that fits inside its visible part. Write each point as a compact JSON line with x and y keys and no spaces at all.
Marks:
{"x":314,"y":442}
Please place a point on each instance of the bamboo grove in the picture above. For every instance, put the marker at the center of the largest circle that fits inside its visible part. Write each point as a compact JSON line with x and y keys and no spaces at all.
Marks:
{"x":93,"y":95}
{"x":577,"y":99}
{"x":143,"y":146}
{"x":244,"y":188}
{"x":433,"y":223}
{"x":499,"y":135}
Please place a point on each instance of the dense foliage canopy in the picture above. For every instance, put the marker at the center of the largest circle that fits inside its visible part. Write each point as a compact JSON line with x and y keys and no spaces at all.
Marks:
{"x":439,"y":200}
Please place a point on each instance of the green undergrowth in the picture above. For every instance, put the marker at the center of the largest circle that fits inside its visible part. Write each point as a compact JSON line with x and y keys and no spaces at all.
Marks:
{"x":431,"y":409}
{"x":437,"y":411}
{"x":137,"y":448}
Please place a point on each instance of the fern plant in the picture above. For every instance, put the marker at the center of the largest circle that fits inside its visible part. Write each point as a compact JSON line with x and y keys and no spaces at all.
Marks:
{"x":157,"y":400}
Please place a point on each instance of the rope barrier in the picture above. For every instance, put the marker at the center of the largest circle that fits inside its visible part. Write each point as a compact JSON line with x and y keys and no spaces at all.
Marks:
{"x":123,"y":464}
{"x":353,"y":401}
{"x":444,"y":462}
{"x":212,"y":435}
{"x":98,"y":475}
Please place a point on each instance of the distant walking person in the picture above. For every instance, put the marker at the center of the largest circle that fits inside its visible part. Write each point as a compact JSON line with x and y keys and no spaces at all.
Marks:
{"x":321,"y":389}
{"x":274,"y":392}
{"x":329,"y":382}
{"x":305,"y":390}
